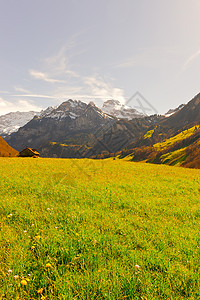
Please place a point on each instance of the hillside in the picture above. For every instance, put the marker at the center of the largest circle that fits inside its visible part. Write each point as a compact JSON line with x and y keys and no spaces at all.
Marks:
{"x":6,"y":150}
{"x":174,"y":140}
{"x":187,"y":117}
{"x":98,"y":229}
{"x":182,"y":149}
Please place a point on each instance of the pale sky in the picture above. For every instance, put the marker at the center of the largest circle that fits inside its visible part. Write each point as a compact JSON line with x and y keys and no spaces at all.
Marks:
{"x":95,"y":50}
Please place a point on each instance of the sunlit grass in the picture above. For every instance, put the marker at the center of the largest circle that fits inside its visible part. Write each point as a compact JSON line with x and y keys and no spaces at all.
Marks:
{"x":177,"y":138}
{"x":84,"y":229}
{"x":175,"y":157}
{"x":149,"y":134}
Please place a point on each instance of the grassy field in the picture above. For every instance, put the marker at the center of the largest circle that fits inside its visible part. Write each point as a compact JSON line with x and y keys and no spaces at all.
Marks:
{"x":107,"y":229}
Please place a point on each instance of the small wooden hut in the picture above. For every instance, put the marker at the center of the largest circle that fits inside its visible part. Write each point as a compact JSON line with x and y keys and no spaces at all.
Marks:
{"x":29,"y":152}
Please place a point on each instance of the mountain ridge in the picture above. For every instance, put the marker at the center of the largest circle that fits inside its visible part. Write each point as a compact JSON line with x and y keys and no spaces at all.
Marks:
{"x":12,"y":121}
{"x":173,"y":141}
{"x":75,"y":123}
{"x":72,"y":120}
{"x":77,"y":129}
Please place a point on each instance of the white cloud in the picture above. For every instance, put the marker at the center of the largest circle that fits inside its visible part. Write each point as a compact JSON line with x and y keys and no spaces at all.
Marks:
{"x":190,"y":59}
{"x":4,"y":92}
{"x":149,"y":57}
{"x":34,"y":96}
{"x":127,"y":63}
{"x":58,"y":64}
{"x":87,"y":89}
{"x":54,"y":66}
{"x":43,"y":76}
{"x":100,"y":89}
{"x":19,"y":89}
{"x":67,"y":91}
{"x":20,"y":105}
{"x":90,"y":87}
{"x":72,"y":73}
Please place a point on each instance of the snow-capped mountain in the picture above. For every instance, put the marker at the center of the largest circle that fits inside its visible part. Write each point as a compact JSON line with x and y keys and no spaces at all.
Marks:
{"x":70,"y":109}
{"x":11,"y":122}
{"x":71,"y":121}
{"x":120,"y":111}
{"x":77,"y":129}
{"x":46,"y":111}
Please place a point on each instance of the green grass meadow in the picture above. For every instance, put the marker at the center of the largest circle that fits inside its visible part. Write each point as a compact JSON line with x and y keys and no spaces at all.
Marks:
{"x":98,"y":229}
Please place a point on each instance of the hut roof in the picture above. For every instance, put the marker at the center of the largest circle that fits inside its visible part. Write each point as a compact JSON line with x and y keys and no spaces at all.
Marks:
{"x":29,"y":152}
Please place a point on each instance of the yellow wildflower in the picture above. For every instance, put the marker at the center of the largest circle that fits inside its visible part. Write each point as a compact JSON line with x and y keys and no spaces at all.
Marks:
{"x":33,"y":247}
{"x":37,"y":237}
{"x":23,"y":282}
{"x":40,"y":291}
{"x":48,"y":265}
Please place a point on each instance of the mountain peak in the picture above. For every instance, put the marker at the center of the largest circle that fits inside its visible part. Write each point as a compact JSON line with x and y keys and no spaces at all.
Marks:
{"x":92,"y":103}
{"x":119,"y":110}
{"x":66,"y":105}
{"x":174,"y":110}
{"x":112,"y":102}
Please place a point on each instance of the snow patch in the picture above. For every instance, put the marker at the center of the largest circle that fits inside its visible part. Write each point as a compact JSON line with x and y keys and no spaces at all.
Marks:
{"x":121,"y":111}
{"x":11,"y":122}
